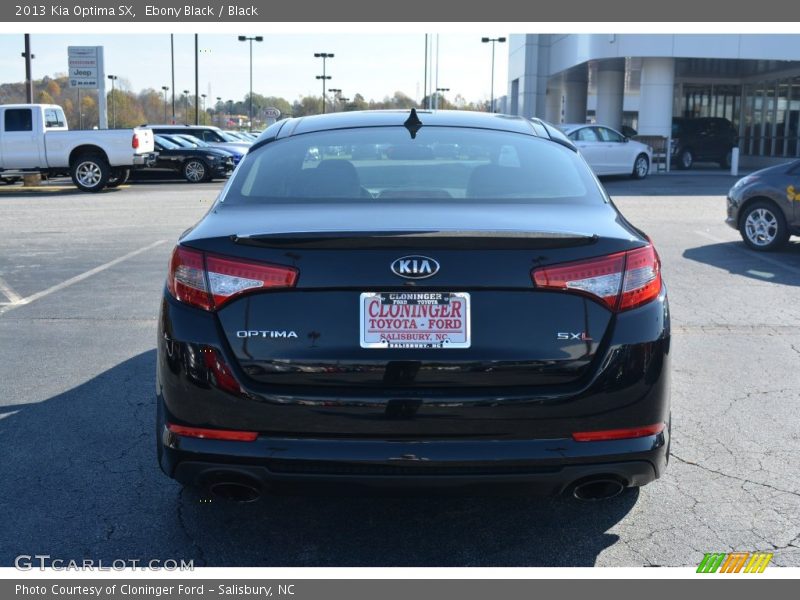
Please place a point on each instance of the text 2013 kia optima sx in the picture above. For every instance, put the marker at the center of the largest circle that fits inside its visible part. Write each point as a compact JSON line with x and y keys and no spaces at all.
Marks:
{"x":423,"y":299}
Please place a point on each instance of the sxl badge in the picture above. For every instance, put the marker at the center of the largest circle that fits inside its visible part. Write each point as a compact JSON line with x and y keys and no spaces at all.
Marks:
{"x":568,"y":335}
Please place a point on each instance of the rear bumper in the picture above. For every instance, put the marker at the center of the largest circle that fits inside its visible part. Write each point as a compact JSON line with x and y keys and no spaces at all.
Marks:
{"x":442,"y":437}
{"x":548,"y":466}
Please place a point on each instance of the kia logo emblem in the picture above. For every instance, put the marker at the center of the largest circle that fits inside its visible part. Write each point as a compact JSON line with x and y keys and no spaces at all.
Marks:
{"x":415,"y":267}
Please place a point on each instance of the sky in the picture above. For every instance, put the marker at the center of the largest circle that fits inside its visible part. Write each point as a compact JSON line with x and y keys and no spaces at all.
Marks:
{"x":374,"y":65}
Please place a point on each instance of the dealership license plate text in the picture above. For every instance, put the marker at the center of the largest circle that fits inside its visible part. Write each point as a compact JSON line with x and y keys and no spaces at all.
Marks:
{"x":415,"y":320}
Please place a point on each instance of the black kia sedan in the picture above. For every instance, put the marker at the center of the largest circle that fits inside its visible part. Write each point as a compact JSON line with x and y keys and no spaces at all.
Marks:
{"x":412,"y":318}
{"x":765,"y":206}
{"x":193,"y":164}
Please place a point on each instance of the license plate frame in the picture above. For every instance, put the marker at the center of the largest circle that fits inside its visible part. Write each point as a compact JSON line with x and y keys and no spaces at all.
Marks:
{"x":434,"y":341}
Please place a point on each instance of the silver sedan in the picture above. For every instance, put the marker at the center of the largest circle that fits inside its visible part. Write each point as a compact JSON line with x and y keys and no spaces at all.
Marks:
{"x":608,"y":152}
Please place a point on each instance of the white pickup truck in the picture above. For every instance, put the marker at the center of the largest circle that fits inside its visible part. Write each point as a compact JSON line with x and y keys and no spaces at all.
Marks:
{"x":34,"y":138}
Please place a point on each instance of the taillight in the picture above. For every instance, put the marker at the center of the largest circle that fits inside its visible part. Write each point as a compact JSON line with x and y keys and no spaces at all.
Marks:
{"x":228,"y":277}
{"x":135,"y":141}
{"x":213,"y":434}
{"x":621,"y":281}
{"x":186,"y":280}
{"x":208,"y":281}
{"x":642,"y":278}
{"x":618,"y":434}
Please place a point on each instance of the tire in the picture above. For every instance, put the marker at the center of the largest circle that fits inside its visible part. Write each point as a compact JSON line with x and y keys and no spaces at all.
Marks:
{"x":641,"y":167}
{"x":194,"y":171}
{"x":685,"y":159}
{"x":725,"y":161}
{"x":763,"y":227}
{"x":90,"y":172}
{"x":11,"y":180}
{"x":119,"y":176}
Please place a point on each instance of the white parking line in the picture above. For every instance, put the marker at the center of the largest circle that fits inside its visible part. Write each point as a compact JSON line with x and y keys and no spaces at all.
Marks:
{"x":8,"y":292}
{"x":76,"y":279}
{"x":752,"y":253}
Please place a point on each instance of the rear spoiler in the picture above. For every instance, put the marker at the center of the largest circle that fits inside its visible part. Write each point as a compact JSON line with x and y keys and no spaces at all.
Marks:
{"x":431,"y":239}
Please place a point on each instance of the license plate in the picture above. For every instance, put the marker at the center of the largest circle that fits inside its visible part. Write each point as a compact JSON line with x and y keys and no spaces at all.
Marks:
{"x":415,"y":320}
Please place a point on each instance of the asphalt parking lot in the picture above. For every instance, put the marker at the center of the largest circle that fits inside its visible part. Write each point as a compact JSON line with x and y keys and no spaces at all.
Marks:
{"x":80,"y":280}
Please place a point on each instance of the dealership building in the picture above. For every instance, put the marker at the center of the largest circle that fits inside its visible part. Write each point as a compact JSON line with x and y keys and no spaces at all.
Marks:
{"x":644,"y":80}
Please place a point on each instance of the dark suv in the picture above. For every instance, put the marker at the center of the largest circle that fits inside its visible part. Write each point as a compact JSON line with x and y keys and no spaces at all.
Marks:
{"x":705,"y":139}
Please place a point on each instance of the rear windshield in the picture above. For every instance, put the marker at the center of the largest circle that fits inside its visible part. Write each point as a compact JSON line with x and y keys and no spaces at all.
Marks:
{"x":385,"y":163}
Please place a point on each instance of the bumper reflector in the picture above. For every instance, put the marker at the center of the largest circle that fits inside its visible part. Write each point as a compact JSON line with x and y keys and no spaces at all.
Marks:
{"x":213,"y":434}
{"x":618,"y":434}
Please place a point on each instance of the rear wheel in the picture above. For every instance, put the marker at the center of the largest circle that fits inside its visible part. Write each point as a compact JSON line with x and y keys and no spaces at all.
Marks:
{"x":10,"y":180}
{"x":763,"y":227}
{"x":641,"y":167}
{"x":90,"y":172}
{"x":119,"y":176}
{"x":685,"y":159}
{"x":195,"y":171}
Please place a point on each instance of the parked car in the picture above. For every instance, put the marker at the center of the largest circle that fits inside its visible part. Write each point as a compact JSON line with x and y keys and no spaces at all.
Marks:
{"x":208,"y":133}
{"x":705,"y":139}
{"x":609,"y":152}
{"x":35,"y":138}
{"x":193,"y":164}
{"x":190,"y":141}
{"x":765,"y":206}
{"x":425,"y":322}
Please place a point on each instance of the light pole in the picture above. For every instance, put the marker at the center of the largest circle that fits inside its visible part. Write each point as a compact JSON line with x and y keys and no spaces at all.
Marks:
{"x":28,"y":56}
{"x":203,"y":107}
{"x":324,"y":77}
{"x":244,"y":38}
{"x":113,"y":78}
{"x":196,"y":79}
{"x":219,"y":112}
{"x":172,"y":60}
{"x":438,"y":89}
{"x":486,"y":40}
{"x":334,"y":91}
{"x":186,"y":106}
{"x":344,"y":102}
{"x":165,"y":89}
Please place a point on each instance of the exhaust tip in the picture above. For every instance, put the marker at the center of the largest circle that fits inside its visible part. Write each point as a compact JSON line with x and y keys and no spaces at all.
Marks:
{"x":598,"y":489}
{"x":235,"y":488}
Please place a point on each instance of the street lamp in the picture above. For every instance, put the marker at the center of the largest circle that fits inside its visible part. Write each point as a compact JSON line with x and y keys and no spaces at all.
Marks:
{"x":244,"y":38}
{"x":165,"y":89}
{"x":438,"y":89}
{"x":186,"y":106}
{"x":344,"y":102}
{"x":324,"y":77}
{"x":334,"y":91}
{"x":219,"y":112}
{"x":203,"y":107}
{"x":27,"y":55}
{"x":486,"y":40}
{"x":113,"y":78}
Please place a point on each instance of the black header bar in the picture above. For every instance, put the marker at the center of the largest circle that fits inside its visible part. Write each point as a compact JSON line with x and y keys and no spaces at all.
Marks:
{"x":415,"y":11}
